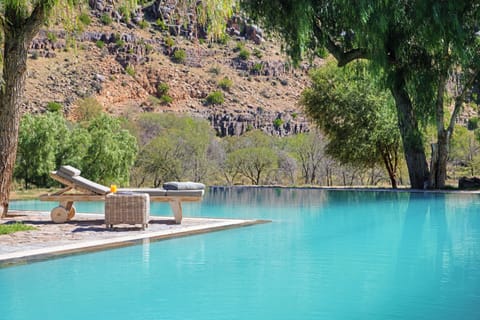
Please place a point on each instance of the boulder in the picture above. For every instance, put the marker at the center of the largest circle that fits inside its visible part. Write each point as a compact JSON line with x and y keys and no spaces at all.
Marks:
{"x":469,"y":183}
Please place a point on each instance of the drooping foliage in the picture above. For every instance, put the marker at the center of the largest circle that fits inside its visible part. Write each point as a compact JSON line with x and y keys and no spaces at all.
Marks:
{"x":420,"y":47}
{"x":112,"y":152}
{"x":103,"y":150}
{"x":358,"y":118}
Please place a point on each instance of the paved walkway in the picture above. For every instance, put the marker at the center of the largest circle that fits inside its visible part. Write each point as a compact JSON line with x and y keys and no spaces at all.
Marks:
{"x":87,"y":232}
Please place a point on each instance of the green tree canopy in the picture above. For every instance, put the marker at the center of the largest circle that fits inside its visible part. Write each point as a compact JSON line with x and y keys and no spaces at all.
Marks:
{"x":40,"y":139}
{"x":421,"y":47}
{"x":103,"y":151}
{"x":112,"y":152}
{"x":175,"y":148}
{"x":358,"y":118}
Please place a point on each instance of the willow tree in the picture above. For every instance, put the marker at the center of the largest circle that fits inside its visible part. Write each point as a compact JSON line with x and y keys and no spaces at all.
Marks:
{"x":420,"y":45}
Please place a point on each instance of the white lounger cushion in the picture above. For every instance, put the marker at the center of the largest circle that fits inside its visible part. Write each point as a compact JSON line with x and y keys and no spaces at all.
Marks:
{"x":84,"y":183}
{"x":88,"y":184}
{"x":174,"y":185}
{"x":185,"y":193}
{"x":70,"y":171}
{"x":153,"y":192}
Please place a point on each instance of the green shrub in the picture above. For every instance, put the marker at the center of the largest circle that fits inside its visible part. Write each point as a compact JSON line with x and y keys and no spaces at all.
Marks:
{"x":85,"y":18}
{"x":294,"y":115}
{"x":179,"y":56}
{"x":53,"y":106}
{"x":106,"y":19}
{"x":223,"y":39}
{"x":162,"y":89}
{"x":216,"y":97}
{"x":239,"y":47}
{"x":130,"y":70}
{"x":277,"y":123}
{"x":120,"y":43}
{"x":256,"y":68}
{"x":257,"y":53}
{"x":125,"y":13}
{"x":166,"y":99}
{"x":143,"y":24}
{"x":225,"y":84}
{"x":161,"y":24}
{"x":52,"y":37}
{"x":169,"y":42}
{"x":100,"y":44}
{"x":244,"y":54}
{"x":148,"y":47}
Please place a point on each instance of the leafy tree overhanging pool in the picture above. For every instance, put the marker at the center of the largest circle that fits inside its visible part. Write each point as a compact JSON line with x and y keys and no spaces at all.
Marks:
{"x":326,"y":255}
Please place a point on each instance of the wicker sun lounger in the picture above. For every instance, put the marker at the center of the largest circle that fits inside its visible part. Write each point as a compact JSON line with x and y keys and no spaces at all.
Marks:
{"x":86,"y":190}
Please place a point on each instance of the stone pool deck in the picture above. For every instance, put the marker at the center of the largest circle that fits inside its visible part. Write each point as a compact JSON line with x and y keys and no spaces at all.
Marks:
{"x":88,"y":232}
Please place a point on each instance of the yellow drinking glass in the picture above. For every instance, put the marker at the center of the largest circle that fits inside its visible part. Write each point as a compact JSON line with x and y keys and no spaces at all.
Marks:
{"x":113,"y":188}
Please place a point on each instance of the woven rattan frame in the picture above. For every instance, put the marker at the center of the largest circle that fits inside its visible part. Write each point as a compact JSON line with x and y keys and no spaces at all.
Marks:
{"x":127,"y":209}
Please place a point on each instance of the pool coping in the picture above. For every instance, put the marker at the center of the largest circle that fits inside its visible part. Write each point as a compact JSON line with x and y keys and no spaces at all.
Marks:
{"x":80,"y":247}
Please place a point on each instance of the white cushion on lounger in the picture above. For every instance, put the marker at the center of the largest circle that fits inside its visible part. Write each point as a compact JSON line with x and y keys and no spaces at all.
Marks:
{"x":69,"y":170}
{"x":90,"y":185}
{"x":152,"y":192}
{"x":83,"y":183}
{"x":174,"y":185}
{"x":184,"y":193}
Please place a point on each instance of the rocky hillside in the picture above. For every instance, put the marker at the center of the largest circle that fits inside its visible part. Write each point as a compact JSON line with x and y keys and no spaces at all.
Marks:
{"x":143,"y":64}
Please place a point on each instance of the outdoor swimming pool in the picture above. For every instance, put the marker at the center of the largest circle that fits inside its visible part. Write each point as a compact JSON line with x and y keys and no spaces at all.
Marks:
{"x":326,"y":255}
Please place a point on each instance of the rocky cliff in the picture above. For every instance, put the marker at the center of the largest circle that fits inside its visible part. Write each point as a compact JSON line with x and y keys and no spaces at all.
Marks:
{"x":123,"y":63}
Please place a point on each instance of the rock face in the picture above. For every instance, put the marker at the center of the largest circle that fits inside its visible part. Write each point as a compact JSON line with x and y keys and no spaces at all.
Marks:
{"x":123,"y":64}
{"x":278,"y":124}
{"x":466,"y":183}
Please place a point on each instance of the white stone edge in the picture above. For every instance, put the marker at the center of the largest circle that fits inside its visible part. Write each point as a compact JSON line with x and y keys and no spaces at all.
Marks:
{"x":212,"y":225}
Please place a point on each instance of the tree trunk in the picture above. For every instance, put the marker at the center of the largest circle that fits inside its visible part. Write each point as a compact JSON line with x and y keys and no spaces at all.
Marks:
{"x":411,"y":135}
{"x":14,"y":72}
{"x":391,"y":166}
{"x":19,"y":30}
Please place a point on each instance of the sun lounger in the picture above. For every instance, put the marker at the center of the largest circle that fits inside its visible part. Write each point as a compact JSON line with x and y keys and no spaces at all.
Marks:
{"x":86,"y":190}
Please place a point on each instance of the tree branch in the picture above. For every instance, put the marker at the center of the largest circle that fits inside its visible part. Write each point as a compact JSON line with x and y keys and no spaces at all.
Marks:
{"x":37,"y":18}
{"x":343,"y":57}
{"x":461,"y":98}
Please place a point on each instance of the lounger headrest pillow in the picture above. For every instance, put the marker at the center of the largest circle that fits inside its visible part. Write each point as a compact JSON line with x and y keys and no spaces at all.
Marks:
{"x":69,"y":171}
{"x":174,"y":185}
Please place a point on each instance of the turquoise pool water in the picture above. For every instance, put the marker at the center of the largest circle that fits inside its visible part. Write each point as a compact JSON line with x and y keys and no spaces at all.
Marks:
{"x":326,"y":255}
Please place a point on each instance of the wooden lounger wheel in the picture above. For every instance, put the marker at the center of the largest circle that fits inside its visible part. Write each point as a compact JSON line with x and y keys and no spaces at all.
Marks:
{"x":61,"y":214}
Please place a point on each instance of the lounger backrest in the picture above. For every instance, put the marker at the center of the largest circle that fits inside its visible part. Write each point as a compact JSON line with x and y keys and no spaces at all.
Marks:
{"x":69,"y":170}
{"x":90,"y":185}
{"x":82,"y":183}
